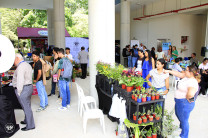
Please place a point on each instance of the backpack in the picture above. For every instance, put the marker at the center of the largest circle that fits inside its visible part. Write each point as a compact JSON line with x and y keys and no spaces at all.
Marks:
{"x":67,"y":68}
{"x":124,"y":52}
{"x":46,"y":68}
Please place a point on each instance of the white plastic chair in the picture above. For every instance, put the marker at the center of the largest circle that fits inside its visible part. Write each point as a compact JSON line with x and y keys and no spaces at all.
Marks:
{"x":174,"y":80}
{"x":82,"y":98}
{"x":92,"y":114}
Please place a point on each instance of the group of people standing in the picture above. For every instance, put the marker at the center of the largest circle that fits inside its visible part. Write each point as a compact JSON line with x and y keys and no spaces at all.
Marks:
{"x":23,"y":80}
{"x":153,"y":69}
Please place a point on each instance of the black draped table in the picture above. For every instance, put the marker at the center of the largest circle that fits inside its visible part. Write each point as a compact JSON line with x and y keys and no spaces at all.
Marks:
{"x":9,"y":92}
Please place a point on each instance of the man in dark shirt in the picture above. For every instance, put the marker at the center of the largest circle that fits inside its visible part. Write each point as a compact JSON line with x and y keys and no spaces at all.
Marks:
{"x":38,"y":79}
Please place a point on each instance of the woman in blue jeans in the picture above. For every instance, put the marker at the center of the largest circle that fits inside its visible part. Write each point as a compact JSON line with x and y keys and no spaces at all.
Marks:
{"x":184,"y":96}
{"x":160,"y":80}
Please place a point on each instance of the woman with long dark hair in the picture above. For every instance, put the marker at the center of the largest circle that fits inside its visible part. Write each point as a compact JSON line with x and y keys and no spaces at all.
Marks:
{"x":148,"y":64}
{"x":160,"y":80}
{"x":185,"y":96}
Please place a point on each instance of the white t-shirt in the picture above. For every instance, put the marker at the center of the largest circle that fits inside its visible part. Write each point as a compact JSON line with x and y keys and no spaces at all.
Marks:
{"x":69,"y":56}
{"x":158,"y":80}
{"x":183,"y":85}
{"x":139,"y":65}
{"x":202,"y":66}
{"x":159,"y":54}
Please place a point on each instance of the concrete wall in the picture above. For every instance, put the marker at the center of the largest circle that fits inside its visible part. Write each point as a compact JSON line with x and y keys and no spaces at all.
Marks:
{"x":172,"y":27}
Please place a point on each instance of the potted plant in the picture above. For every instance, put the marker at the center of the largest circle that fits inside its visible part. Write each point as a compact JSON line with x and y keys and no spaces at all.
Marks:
{"x":130,"y":83}
{"x":139,"y":99}
{"x":73,"y":75}
{"x":144,"y":98}
{"x":116,"y":131}
{"x":154,"y":114}
{"x":122,"y":81}
{"x":157,"y":117}
{"x":140,"y":120}
{"x":149,"y":133}
{"x":157,"y":97}
{"x":144,"y":119}
{"x":149,"y":98}
{"x":134,"y":116}
{"x":154,"y":132}
{"x":153,"y":96}
{"x":150,"y":118}
{"x":139,"y":83}
{"x":148,"y":114}
{"x":135,"y":97}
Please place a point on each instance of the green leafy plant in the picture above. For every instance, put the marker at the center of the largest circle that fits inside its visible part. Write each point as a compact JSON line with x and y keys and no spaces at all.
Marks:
{"x":135,"y":127}
{"x":143,"y":90}
{"x":149,"y":132}
{"x":140,"y":81}
{"x":144,"y":95}
{"x":168,"y":127}
{"x":158,"y":110}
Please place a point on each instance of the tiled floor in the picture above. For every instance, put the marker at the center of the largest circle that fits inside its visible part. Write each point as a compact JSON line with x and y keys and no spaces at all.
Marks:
{"x":53,"y":123}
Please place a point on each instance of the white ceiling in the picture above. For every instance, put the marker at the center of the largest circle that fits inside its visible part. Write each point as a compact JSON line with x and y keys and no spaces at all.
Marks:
{"x":136,"y":4}
{"x":27,"y":4}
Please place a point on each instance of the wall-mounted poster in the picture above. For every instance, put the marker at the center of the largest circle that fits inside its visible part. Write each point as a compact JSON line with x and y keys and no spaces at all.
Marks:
{"x":165,"y":47}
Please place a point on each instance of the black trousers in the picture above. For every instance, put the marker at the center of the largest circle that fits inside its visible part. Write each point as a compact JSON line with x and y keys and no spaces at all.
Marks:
{"x":84,"y":70}
{"x":126,"y":61}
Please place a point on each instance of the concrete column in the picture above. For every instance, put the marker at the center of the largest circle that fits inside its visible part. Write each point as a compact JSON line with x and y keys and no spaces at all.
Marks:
{"x":125,"y":26}
{"x":59,"y":23}
{"x":50,"y":27}
{"x":206,"y":38}
{"x":101,"y":36}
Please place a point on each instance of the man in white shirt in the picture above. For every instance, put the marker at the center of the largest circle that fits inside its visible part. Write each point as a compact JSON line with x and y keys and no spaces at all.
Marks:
{"x":83,"y":58}
{"x":141,"y":46}
{"x":22,"y":82}
{"x":68,"y":55}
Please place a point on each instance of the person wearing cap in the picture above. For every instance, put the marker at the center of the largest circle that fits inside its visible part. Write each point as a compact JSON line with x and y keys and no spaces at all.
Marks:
{"x":22,"y":82}
{"x":38,"y":79}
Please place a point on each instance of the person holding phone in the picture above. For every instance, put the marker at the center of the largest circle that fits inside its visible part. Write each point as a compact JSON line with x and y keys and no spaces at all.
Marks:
{"x":185,"y":96}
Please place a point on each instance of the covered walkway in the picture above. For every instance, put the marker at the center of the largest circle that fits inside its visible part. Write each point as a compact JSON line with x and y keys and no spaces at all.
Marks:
{"x":53,"y":123}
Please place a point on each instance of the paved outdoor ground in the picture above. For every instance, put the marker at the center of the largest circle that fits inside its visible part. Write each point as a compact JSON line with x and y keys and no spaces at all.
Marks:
{"x":53,"y":123}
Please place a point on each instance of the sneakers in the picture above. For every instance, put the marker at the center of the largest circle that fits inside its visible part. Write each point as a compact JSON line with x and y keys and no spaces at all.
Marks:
{"x":62,"y":108}
{"x":40,"y":109}
{"x":68,"y":106}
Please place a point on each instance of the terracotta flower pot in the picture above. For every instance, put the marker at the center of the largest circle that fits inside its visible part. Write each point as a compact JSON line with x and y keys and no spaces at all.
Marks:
{"x":157,"y":118}
{"x":129,"y":88}
{"x":134,"y":117}
{"x":138,"y":88}
{"x":149,"y":137}
{"x":144,"y":120}
{"x":132,"y":96}
{"x":139,"y":121}
{"x":153,"y":98}
{"x":123,"y":86}
{"x":135,"y":99}
{"x":150,"y":118}
{"x":73,"y":80}
{"x":157,"y":97}
{"x":144,"y":99}
{"x":154,"y":135}
{"x":116,"y":133}
{"x":142,"y":116}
